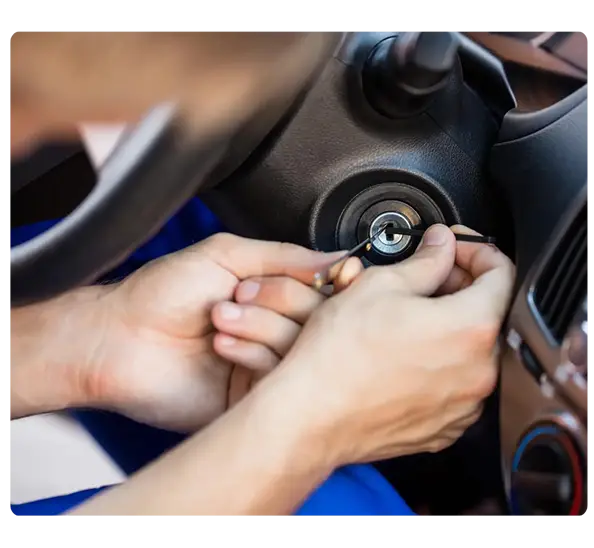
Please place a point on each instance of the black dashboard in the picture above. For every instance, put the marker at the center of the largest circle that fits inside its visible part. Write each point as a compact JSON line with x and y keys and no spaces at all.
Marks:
{"x":336,"y":145}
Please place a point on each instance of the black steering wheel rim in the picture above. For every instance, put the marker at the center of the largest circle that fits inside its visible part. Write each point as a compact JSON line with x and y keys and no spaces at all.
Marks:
{"x":153,"y":171}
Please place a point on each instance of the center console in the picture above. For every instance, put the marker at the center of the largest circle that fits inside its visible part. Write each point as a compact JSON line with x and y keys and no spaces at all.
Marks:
{"x":543,"y":408}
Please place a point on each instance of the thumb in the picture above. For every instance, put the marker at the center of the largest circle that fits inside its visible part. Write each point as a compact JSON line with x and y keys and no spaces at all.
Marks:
{"x":430,"y":266}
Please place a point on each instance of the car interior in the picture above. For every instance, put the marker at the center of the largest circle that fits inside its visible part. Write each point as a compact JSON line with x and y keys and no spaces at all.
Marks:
{"x":484,"y":129}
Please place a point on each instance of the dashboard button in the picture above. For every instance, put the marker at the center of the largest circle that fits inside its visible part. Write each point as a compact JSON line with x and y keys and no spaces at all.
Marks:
{"x":531,"y":361}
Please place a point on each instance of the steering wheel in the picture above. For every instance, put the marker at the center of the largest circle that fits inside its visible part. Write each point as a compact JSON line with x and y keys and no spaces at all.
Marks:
{"x":154,"y":170}
{"x":407,"y":128}
{"x":129,"y":202}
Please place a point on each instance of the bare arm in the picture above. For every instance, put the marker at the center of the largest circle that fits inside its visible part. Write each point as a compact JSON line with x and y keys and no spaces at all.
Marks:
{"x":259,"y":458}
{"x":48,"y":341}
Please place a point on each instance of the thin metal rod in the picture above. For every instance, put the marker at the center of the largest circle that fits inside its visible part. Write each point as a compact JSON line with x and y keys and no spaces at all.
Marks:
{"x":415,"y":232}
{"x":323,"y":278}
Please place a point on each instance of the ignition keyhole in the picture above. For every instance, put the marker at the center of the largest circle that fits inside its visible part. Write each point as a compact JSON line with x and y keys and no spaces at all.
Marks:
{"x":389,"y":242}
{"x":389,"y":233}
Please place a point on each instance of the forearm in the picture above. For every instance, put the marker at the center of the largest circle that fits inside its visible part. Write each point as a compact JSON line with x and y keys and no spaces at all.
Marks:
{"x":256,"y":459}
{"x":49,"y":342}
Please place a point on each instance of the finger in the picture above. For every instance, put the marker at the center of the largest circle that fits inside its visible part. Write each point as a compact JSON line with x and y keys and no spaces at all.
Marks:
{"x":351,"y":268}
{"x":246,"y":258}
{"x":256,"y":324}
{"x":458,"y":279}
{"x":471,"y":260}
{"x":251,"y":355}
{"x":490,"y":294}
{"x":240,"y":384}
{"x":476,"y":258}
{"x":282,"y":295}
{"x":429,"y":267}
{"x":451,"y":433}
{"x":472,"y":417}
{"x":493,"y":274}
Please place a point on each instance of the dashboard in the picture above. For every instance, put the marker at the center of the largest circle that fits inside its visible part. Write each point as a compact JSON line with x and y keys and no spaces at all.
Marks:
{"x":544,"y":378}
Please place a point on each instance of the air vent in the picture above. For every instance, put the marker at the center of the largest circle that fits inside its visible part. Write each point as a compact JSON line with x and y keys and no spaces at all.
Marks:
{"x":562,"y":285}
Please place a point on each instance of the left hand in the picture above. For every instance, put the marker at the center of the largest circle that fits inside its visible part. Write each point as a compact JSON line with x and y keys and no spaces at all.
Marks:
{"x":159,"y":365}
{"x":257,"y":330}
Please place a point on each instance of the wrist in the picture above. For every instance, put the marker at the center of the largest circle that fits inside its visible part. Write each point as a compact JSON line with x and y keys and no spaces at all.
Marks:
{"x":288,"y":406}
{"x":52,"y":345}
{"x":258,"y":458}
{"x":283,"y":458}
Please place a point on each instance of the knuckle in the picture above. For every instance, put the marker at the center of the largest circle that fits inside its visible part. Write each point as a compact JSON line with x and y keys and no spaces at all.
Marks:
{"x":483,"y":337}
{"x":221,"y":241}
{"x":488,"y":380}
{"x":504,"y":262}
{"x":448,"y":442}
{"x":439,"y":445}
{"x":485,"y":380}
{"x":475,"y":417}
{"x":434,"y":447}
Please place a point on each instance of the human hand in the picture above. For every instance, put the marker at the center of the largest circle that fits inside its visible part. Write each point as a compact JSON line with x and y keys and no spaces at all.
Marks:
{"x":152,"y":357}
{"x":258,"y":329}
{"x":385,"y":368}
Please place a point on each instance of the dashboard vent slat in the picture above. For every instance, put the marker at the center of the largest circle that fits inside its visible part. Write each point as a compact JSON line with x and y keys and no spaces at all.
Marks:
{"x":558,"y":275}
{"x":561,"y":286}
{"x":567,"y":283}
{"x":568,"y":311}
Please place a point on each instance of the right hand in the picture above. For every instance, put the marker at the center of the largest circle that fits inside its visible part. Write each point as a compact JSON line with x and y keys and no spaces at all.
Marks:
{"x":385,"y":368}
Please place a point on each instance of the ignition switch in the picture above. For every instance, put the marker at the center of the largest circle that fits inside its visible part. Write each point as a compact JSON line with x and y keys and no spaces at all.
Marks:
{"x":388,"y":243}
{"x":388,"y":247}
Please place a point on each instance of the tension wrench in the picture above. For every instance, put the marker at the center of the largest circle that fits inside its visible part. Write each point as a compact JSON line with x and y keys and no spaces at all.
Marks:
{"x":323,"y":278}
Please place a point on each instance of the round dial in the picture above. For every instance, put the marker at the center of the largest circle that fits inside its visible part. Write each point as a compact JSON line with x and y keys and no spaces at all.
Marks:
{"x":548,"y":476}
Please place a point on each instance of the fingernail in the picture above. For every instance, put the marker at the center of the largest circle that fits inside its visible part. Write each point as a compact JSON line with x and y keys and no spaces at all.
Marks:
{"x":248,"y":291}
{"x":436,"y":235}
{"x":230,"y":311}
